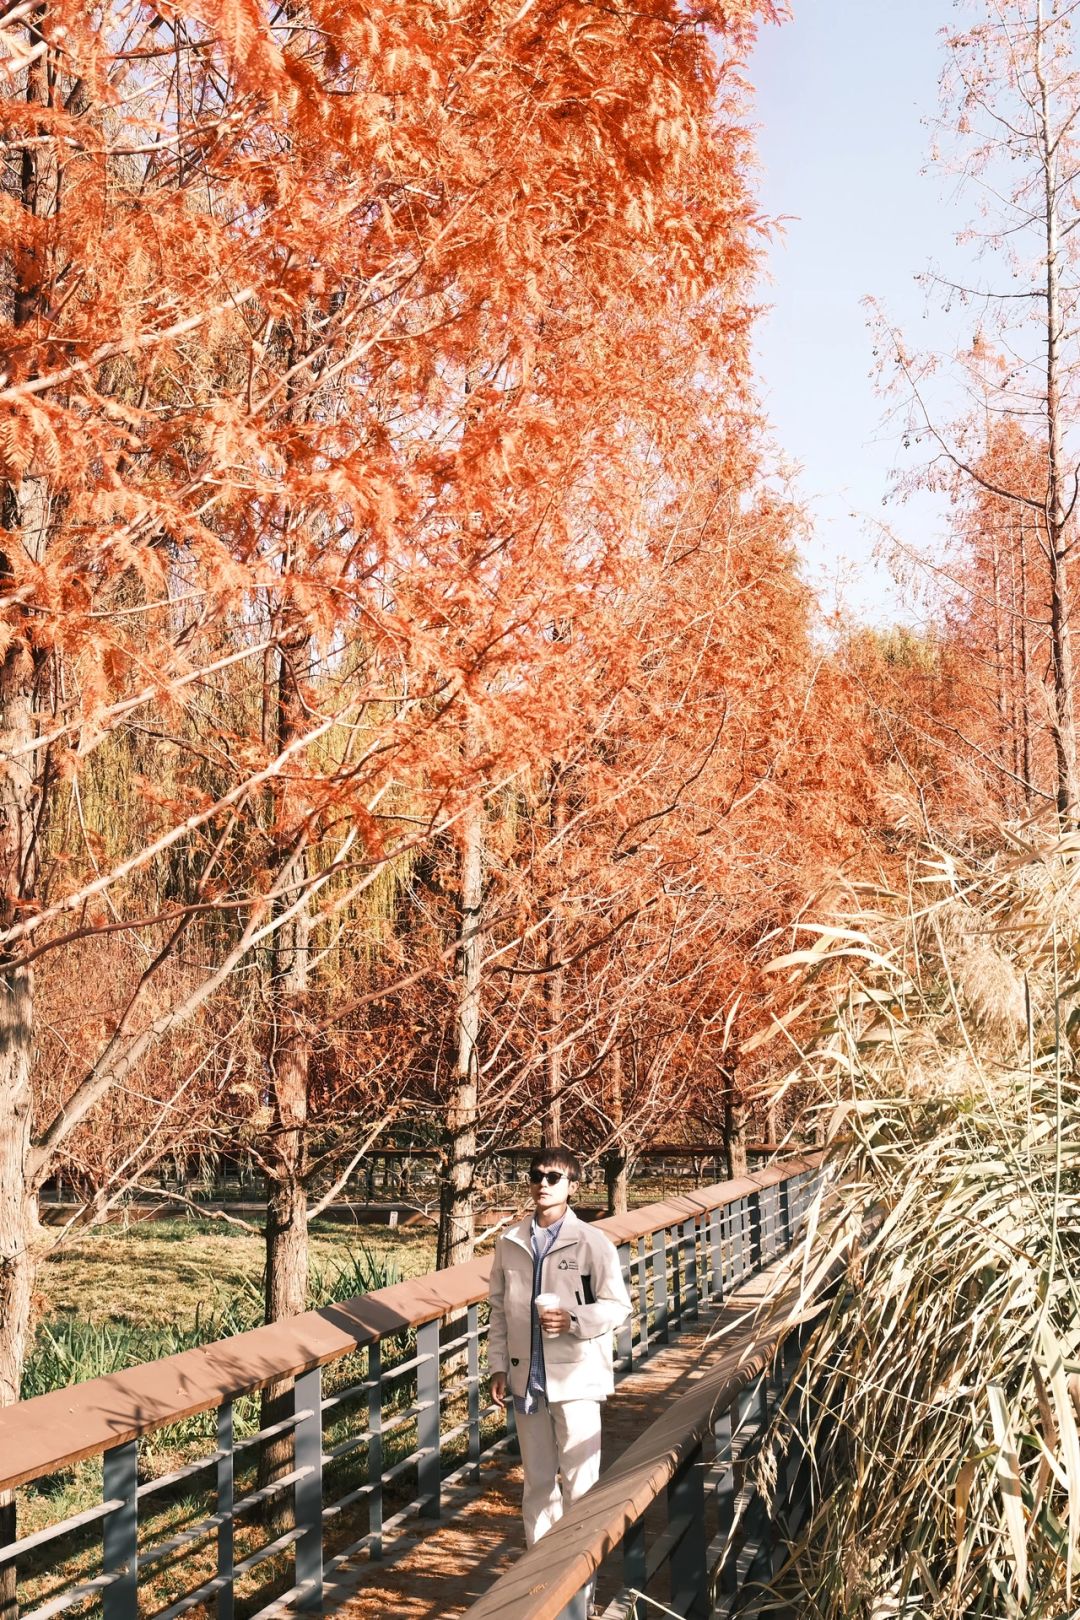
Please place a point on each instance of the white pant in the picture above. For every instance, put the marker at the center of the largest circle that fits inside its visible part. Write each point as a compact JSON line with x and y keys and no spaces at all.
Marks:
{"x":561,"y":1438}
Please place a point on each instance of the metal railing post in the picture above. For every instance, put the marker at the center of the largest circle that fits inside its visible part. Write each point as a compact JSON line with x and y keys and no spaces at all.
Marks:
{"x":375,"y":1448}
{"x":226,"y":1495}
{"x":724,"y":1427}
{"x":635,"y":1562}
{"x":754,"y":1206}
{"x":689,"y":1572}
{"x":428,"y":1385}
{"x":120,"y":1531}
{"x":473,"y":1330}
{"x":660,"y":1284}
{"x":9,"y":1535}
{"x":674,"y":1248}
{"x":643,"y":1298}
{"x":307,"y":1491}
{"x":690,"y":1266}
{"x":624,"y":1336}
{"x":716,"y":1253}
{"x":786,"y":1226}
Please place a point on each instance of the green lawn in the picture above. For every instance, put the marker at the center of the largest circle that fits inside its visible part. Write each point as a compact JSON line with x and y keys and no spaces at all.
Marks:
{"x":159,"y":1273}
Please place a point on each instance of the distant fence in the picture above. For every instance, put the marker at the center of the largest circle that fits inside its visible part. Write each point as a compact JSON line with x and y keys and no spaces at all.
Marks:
{"x":398,"y":1173}
{"x":387,"y":1415}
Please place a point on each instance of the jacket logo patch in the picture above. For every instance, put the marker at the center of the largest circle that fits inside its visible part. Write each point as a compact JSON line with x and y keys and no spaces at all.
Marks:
{"x":568,"y":1265}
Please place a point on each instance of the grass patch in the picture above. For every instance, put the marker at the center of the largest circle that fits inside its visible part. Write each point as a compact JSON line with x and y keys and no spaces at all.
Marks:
{"x":158,"y":1273}
{"x":121,"y":1296}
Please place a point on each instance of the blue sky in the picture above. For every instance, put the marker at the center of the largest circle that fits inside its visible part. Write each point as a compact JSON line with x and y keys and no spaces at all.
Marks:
{"x":843,"y":92}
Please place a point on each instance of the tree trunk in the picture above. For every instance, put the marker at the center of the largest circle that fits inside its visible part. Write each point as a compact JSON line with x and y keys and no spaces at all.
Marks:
{"x":286,"y":1213}
{"x":1063,"y":722}
{"x":457,"y":1215}
{"x":552,"y":1120}
{"x":735,"y":1117}
{"x":290,"y":1056}
{"x":617,"y":1181}
{"x":1025,"y":674}
{"x":25,"y":515}
{"x":18,"y":873}
{"x":554,"y":980}
{"x":1001,"y":687}
{"x":286,"y":1155}
{"x":286,"y":1236}
{"x":615,"y":1160}
{"x":18,"y":1223}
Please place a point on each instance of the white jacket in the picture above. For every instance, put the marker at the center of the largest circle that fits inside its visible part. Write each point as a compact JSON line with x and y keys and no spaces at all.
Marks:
{"x":582,"y":1267}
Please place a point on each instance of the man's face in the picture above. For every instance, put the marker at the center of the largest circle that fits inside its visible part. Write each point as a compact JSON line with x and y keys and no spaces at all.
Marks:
{"x":548,"y":1195}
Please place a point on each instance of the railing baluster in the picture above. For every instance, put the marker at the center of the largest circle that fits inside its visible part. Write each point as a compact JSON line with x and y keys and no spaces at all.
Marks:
{"x":226,"y":1495}
{"x":473,"y":1330}
{"x":428,"y":1422}
{"x":635,"y":1562}
{"x":724,"y":1426}
{"x":787,"y":1230}
{"x":9,"y":1534}
{"x":674,"y":1249}
{"x":714,"y":1250}
{"x":689,"y":1572}
{"x":754,"y":1205}
{"x":120,"y":1531}
{"x":690,"y":1266}
{"x":624,"y":1336}
{"x":375,"y":1448}
{"x":643,"y":1298}
{"x":660,"y":1285}
{"x":307,"y":1491}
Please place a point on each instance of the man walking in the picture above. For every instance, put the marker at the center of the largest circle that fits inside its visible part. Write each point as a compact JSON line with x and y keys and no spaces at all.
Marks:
{"x":556,"y":1358}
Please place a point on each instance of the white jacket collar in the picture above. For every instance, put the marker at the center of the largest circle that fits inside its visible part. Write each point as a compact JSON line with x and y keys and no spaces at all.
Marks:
{"x":568,"y":1232}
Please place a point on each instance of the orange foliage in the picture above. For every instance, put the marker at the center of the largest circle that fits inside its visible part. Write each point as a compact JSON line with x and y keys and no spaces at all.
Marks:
{"x":378,"y":443}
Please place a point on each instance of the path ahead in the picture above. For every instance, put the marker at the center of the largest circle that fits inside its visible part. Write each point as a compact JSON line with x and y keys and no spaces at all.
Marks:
{"x":433,"y":1572}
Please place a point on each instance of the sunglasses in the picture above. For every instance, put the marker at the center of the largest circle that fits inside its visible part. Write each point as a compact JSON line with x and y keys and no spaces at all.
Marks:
{"x":552,"y":1177}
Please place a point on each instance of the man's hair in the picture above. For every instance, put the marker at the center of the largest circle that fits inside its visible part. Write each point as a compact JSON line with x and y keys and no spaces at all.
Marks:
{"x":556,"y":1158}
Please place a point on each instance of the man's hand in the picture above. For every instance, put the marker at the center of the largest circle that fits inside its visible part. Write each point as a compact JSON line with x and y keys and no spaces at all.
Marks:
{"x":498,"y":1388}
{"x":558,"y":1321}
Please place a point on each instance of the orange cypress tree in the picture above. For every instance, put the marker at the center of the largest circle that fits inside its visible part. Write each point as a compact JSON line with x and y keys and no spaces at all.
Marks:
{"x":341,"y":341}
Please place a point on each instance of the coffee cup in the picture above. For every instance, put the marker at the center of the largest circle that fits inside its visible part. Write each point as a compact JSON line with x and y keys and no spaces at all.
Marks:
{"x":548,"y":1302}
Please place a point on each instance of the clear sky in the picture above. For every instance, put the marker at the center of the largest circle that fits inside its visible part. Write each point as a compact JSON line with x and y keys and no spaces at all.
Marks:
{"x":843,"y":91}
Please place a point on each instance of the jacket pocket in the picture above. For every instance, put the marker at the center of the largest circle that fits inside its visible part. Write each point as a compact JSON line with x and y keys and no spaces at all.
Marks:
{"x":586,"y":1283}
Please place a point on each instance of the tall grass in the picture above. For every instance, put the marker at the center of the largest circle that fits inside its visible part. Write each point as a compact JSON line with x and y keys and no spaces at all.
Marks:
{"x":940,"y":1388}
{"x":67,"y":1349}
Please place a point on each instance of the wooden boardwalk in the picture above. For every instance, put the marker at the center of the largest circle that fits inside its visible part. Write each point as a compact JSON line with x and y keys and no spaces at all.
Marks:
{"x":432,"y":1571}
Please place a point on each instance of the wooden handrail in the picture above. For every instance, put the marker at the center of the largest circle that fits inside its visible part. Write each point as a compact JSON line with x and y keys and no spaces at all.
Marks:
{"x":53,"y":1431}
